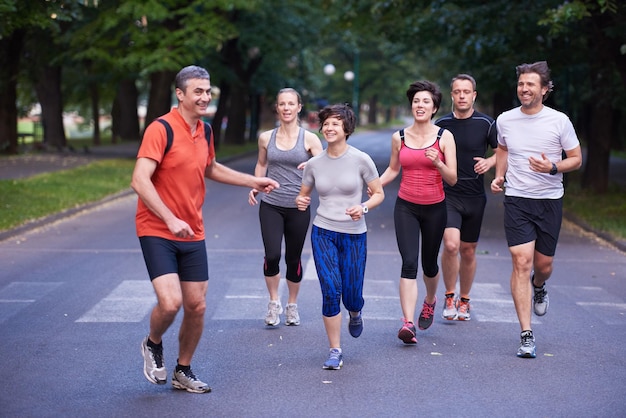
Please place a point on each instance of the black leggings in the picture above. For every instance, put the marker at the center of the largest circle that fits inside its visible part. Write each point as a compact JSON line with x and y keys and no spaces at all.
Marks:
{"x":410,"y":219}
{"x":276,"y":222}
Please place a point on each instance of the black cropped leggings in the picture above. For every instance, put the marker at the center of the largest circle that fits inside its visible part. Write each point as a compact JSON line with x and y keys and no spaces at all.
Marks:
{"x":410,"y":220}
{"x":293,"y":224}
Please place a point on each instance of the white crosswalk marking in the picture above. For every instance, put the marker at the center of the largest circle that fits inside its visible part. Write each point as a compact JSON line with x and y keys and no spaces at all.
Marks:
{"x":130,"y":301}
{"x":492,"y":302}
{"x":18,"y":295}
{"x":599,"y":303}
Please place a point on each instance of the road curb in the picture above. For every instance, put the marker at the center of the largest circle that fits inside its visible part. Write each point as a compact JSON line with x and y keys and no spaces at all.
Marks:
{"x":46,"y":220}
{"x":616,"y":242}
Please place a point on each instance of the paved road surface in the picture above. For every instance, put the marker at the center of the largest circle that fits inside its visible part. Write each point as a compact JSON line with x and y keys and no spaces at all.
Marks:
{"x":75,"y":299}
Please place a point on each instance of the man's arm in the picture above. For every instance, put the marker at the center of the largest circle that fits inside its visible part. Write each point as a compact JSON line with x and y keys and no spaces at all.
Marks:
{"x":222,"y":174}
{"x":502,"y":153}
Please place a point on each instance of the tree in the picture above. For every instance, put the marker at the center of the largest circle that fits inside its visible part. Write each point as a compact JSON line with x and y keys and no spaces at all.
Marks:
{"x":603,"y":22}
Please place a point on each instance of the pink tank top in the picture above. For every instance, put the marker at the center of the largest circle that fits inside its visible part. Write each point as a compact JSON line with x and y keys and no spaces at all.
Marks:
{"x":421,"y":182}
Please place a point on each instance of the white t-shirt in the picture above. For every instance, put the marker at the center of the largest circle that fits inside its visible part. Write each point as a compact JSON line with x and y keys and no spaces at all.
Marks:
{"x":549,"y":132}
{"x":340,"y":183}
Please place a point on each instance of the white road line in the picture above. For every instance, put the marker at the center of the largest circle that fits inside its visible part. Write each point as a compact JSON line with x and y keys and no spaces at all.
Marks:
{"x":130,"y":301}
{"x":18,"y":295}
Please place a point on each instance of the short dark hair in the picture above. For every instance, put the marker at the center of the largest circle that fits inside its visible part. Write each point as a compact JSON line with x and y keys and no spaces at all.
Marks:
{"x":188,"y":73}
{"x":425,"y":85}
{"x":342,"y":112}
{"x":464,"y":77}
{"x":540,"y":68}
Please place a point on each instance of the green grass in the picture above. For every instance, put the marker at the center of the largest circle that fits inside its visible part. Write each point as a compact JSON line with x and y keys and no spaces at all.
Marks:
{"x":27,"y":199}
{"x":604,"y":213}
{"x":37,"y":196}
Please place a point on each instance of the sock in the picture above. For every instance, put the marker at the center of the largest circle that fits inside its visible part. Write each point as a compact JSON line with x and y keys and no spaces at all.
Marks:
{"x":153,"y":345}
{"x":466,"y":300}
{"x":450,"y":295}
{"x":182,"y":368}
{"x":527,"y":332}
{"x":338,"y":349}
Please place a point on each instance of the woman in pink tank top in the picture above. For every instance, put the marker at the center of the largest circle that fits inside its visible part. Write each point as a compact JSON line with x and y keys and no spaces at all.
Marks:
{"x":426,"y":155}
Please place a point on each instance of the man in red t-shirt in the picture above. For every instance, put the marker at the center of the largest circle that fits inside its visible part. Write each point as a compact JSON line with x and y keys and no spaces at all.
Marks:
{"x":170,"y":227}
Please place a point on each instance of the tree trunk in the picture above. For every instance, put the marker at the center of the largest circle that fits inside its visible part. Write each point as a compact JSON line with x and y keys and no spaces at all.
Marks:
{"x":10,"y":50}
{"x":95,"y":112}
{"x":220,"y":113}
{"x":372,"y":113}
{"x":160,"y":100}
{"x":596,"y":172}
{"x":236,"y":129}
{"x":255,"y":116}
{"x":125,"y":117}
{"x":48,"y":89}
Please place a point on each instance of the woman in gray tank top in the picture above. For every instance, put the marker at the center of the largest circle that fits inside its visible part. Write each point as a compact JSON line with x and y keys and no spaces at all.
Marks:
{"x":283,"y":152}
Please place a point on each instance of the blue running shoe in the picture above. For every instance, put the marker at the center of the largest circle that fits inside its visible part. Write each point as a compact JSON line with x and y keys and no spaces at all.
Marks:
{"x":335,"y":360}
{"x":355,"y":326}
{"x":527,"y":347}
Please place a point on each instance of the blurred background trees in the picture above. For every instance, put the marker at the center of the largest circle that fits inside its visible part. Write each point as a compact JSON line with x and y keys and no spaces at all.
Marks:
{"x":117,"y":59}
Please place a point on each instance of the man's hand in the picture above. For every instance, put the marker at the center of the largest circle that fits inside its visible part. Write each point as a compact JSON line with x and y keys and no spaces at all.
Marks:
{"x":497,"y":184}
{"x":180,"y":228}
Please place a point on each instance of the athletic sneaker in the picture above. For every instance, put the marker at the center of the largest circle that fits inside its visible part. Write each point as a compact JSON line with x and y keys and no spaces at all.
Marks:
{"x":407,"y":332}
{"x":463,"y":309}
{"x":355,"y":326}
{"x":291,"y":314}
{"x":426,"y":316}
{"x":527,"y":345}
{"x":540,"y":300}
{"x":186,"y":380}
{"x":449,"y":309}
{"x":335,"y":360}
{"x":153,"y":365}
{"x":274,"y":309}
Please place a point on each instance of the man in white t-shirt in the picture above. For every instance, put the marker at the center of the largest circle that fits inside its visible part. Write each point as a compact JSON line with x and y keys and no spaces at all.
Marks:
{"x":531,"y":142}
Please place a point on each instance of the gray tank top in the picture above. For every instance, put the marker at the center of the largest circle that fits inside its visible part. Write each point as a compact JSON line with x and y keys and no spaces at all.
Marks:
{"x":282,"y":166}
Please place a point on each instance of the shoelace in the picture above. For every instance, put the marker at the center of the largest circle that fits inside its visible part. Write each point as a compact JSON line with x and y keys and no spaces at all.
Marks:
{"x":449,"y":302}
{"x":527,"y":340}
{"x":428,"y":310}
{"x":157,"y":355}
{"x":189,"y":374}
{"x":463,"y":307}
{"x":539,"y":295}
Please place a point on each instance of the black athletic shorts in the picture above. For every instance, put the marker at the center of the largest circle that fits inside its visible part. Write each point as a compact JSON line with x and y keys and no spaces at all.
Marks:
{"x":188,"y":259}
{"x":538,"y":220}
{"x":465,"y":213}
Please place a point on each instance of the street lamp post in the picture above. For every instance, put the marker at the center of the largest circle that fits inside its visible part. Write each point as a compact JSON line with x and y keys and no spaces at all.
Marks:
{"x":350,"y":76}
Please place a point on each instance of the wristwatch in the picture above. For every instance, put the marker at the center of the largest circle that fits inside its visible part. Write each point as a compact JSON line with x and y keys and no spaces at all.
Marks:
{"x":553,"y":171}
{"x":365,"y":209}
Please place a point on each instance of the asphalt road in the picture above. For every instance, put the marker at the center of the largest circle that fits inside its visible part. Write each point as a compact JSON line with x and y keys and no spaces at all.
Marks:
{"x":75,"y":299}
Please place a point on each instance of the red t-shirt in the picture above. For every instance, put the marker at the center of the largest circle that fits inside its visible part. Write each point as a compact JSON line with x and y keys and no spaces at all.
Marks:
{"x":179,"y":176}
{"x":421,"y":182}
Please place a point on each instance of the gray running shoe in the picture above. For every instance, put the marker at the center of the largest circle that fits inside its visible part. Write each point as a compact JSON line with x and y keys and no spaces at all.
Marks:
{"x":274,"y":309}
{"x":186,"y":380}
{"x":153,"y":365}
{"x":463,"y":309}
{"x":335,"y":360}
{"x":426,"y":317}
{"x":540,"y":300}
{"x":527,"y":345}
{"x":449,"y":309}
{"x":291,"y":314}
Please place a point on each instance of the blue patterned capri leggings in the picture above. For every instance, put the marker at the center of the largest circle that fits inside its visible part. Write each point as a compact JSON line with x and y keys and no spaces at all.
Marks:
{"x":340,"y":263}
